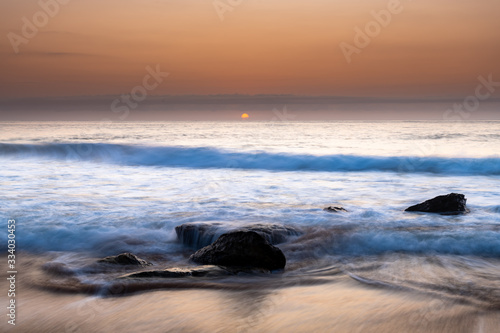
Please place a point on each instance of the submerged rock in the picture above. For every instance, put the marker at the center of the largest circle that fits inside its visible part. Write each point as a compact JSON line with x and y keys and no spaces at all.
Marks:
{"x":333,"y":209}
{"x":57,"y":269}
{"x":125,"y":259}
{"x":207,"y":270}
{"x":241,"y":249}
{"x":450,"y":204}
{"x":201,"y":234}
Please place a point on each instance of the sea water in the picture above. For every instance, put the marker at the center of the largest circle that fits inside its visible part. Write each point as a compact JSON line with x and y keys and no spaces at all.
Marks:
{"x":89,"y":190}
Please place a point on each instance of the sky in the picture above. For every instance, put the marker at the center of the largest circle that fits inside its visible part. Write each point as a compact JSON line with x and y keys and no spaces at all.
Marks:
{"x":86,"y":50}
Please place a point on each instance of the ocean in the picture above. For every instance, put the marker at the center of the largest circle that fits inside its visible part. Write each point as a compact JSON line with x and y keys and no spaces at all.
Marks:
{"x":80,"y":191}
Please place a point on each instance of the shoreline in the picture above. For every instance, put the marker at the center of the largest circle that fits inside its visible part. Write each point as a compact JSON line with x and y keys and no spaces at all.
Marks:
{"x":340,"y":303}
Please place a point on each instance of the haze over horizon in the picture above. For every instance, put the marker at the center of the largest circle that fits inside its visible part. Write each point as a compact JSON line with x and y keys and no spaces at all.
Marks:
{"x":371,"y":52}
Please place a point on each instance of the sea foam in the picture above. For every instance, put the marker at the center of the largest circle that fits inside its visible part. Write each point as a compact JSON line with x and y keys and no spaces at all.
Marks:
{"x":207,"y":157}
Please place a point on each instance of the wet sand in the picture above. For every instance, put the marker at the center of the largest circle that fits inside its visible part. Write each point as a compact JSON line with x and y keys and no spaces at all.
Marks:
{"x":338,"y":305}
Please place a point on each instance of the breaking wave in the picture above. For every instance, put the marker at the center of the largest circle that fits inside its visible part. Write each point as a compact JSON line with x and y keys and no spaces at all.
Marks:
{"x":207,"y":157}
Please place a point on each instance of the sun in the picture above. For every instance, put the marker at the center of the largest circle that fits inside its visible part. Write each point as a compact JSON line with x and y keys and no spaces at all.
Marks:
{"x":244,"y":116}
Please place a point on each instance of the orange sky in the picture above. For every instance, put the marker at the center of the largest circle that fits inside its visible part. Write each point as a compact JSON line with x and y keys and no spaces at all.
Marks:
{"x":100,"y":47}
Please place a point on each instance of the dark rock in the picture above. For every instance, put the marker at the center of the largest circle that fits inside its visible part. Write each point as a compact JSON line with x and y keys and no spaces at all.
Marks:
{"x":125,"y":259}
{"x":241,"y":249}
{"x":207,"y":270}
{"x":201,"y":234}
{"x":332,"y":209}
{"x":450,"y":204}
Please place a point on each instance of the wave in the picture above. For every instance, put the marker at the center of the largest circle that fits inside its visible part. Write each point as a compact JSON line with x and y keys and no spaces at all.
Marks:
{"x":459,"y":242}
{"x":206,"y":157}
{"x":434,"y":136}
{"x":303,"y":244}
